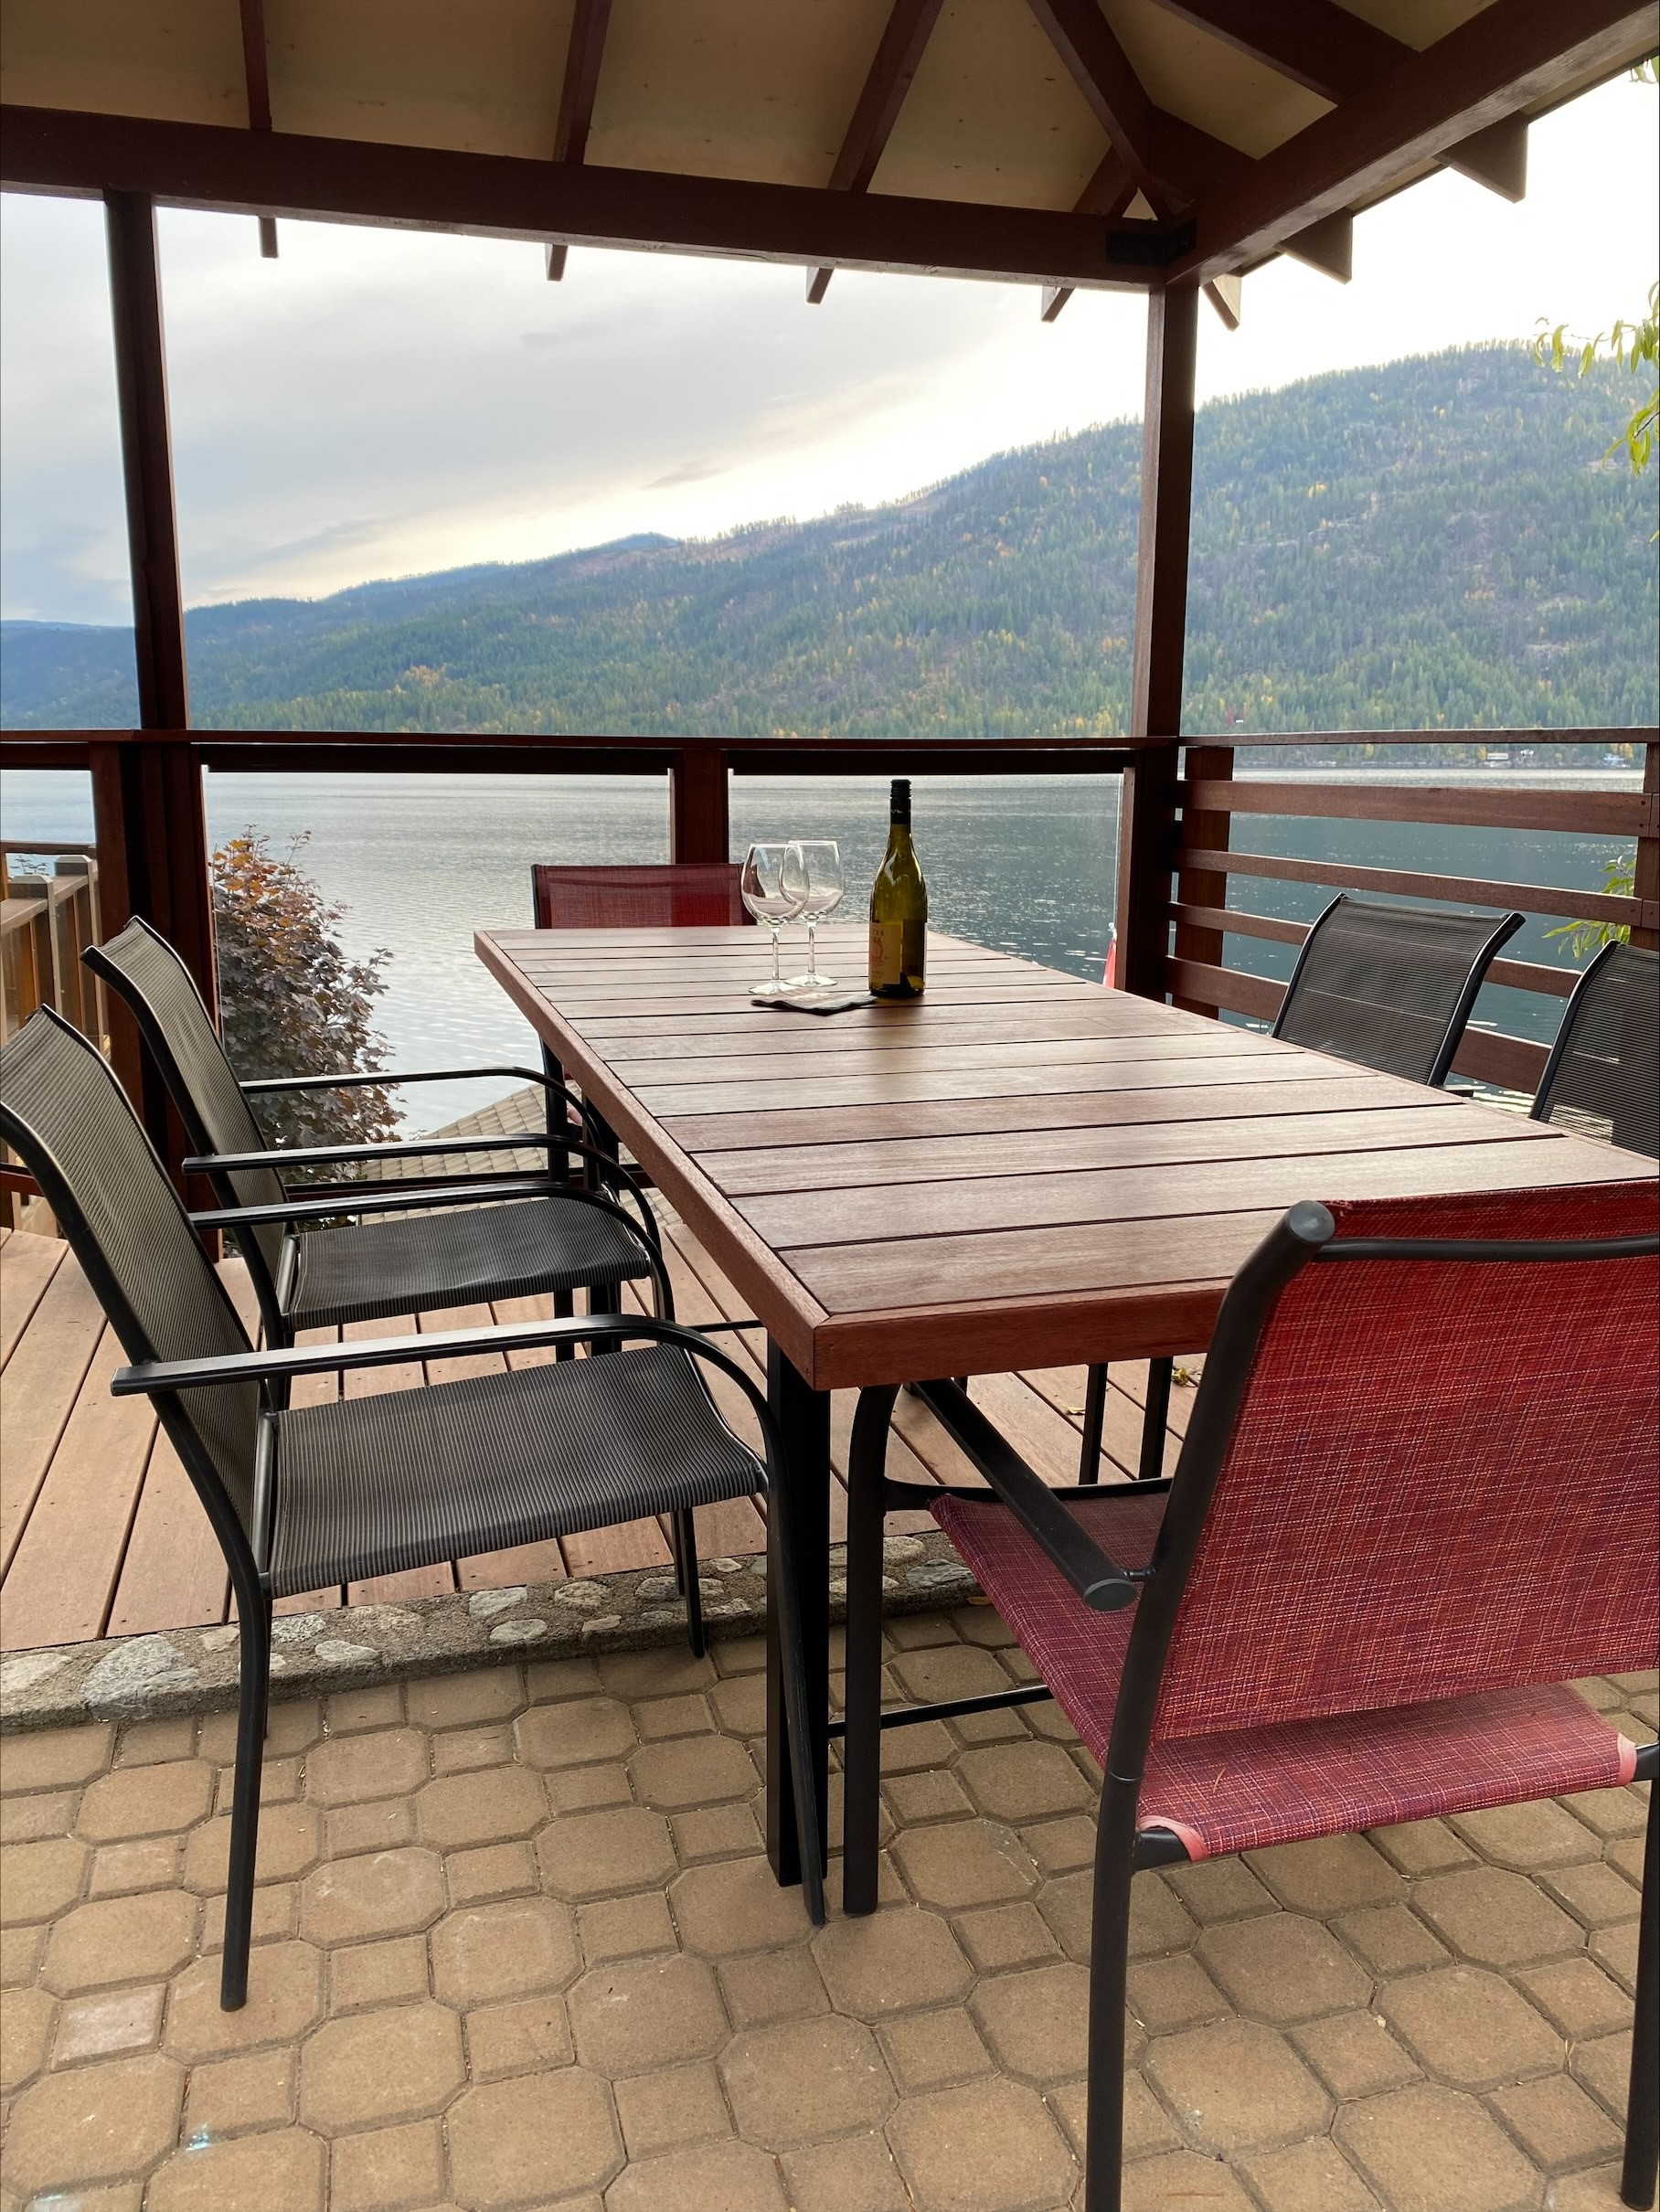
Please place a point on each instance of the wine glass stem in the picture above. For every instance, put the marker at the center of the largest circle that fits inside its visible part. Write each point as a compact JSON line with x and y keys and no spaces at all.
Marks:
{"x":812,"y":948}
{"x":776,"y":929}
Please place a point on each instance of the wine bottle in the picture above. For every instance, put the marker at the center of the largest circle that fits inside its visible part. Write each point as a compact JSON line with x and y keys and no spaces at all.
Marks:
{"x":898,"y":907}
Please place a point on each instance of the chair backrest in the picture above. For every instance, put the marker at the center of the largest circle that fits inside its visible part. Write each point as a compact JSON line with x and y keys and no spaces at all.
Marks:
{"x":1390,"y":986}
{"x":161,"y":994}
{"x":62,"y":1109}
{"x":1441,"y":1477}
{"x":680,"y":895}
{"x":1602,"y":1078}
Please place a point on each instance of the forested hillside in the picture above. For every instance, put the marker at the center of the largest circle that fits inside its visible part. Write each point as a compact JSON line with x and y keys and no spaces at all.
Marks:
{"x":1435,"y":542}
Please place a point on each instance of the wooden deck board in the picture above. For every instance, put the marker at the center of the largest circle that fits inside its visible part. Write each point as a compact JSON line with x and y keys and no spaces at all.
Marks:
{"x":107,"y":1536}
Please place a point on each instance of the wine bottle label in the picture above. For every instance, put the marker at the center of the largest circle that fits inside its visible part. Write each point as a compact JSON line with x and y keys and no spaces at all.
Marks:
{"x":887,"y":954}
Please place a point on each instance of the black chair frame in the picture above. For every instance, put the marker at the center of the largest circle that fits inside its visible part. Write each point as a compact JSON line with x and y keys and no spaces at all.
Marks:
{"x":167,"y":1383}
{"x":1305,"y":1234}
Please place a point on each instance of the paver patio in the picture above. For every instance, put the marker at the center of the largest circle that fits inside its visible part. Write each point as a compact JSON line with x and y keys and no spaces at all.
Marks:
{"x":518,"y":1946}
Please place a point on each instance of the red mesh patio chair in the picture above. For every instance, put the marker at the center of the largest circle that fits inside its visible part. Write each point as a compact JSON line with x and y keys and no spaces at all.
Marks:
{"x":677,"y":895}
{"x":1311,"y":1629}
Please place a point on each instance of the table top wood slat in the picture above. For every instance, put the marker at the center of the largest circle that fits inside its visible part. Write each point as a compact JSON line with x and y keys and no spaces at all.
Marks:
{"x":1024,"y":1170}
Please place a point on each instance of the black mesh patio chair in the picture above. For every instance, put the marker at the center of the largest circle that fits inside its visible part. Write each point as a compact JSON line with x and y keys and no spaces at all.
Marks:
{"x":552,"y":1236}
{"x":356,"y":1487}
{"x":1602,"y":1078}
{"x":1308,"y":1630}
{"x":1387,"y":986}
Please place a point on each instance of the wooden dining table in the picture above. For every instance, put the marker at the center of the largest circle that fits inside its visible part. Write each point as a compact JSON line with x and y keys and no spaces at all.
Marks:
{"x":1023,"y":1169}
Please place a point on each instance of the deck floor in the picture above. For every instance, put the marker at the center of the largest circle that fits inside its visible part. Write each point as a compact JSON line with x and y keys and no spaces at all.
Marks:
{"x":100,"y":1534}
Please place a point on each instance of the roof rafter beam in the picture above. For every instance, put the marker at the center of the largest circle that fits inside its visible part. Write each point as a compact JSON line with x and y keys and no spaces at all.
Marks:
{"x":210,"y":165}
{"x":1511,"y":56}
{"x":1100,"y":68}
{"x":256,"y":75}
{"x":897,"y":57}
{"x":1496,"y":157}
{"x":589,"y":21}
{"x":1109,"y":192}
{"x":1316,"y":43}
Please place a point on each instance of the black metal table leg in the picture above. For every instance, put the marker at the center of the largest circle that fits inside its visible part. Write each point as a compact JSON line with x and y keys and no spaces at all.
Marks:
{"x":802,"y":1415}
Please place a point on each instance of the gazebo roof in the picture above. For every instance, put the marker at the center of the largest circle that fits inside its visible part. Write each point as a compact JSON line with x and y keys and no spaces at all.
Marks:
{"x":1044,"y":140}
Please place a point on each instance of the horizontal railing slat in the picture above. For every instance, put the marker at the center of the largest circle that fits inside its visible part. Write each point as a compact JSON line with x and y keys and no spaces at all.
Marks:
{"x":1409,"y":883}
{"x":1600,"y":814}
{"x":1519,"y":975}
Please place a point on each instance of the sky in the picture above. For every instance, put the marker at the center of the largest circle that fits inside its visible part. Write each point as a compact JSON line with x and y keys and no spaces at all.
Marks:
{"x":382,"y":403}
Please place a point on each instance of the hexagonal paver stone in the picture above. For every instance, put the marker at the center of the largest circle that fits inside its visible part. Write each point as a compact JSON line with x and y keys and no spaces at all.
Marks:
{"x":1023,"y":1780}
{"x":497,"y":1807}
{"x":736,"y":1906}
{"x":93,"y":2124}
{"x":1035,"y":2024}
{"x":1283,"y":1968}
{"x":396,"y":2065}
{"x":576,"y":1733}
{"x":512,"y":2143}
{"x":381,"y":1893}
{"x":147,"y":1801}
{"x":950,"y":1670}
{"x":734,"y":2176}
{"x":38,"y":1880}
{"x":1497,"y":1919}
{"x":349,"y":1769}
{"x":640,"y":2014}
{"x":592,"y":1854}
{"x":1160,"y":2184}
{"x":121,"y":1939}
{"x":801,"y":2080}
{"x":26,"y":2031}
{"x":507,"y":1949}
{"x":291,"y":1840}
{"x":1306,"y":2176}
{"x":891,"y":1961}
{"x":1527,"y":1836}
{"x":989,"y":2146}
{"x":280,"y":2172}
{"x":284,"y":1996}
{"x":1329,"y":1874}
{"x":692,"y":1771}
{"x":1408,"y":2144}
{"x":960,"y":1863}
{"x":1237,"y":2086}
{"x":1469,"y":2026}
{"x":55,"y":1758}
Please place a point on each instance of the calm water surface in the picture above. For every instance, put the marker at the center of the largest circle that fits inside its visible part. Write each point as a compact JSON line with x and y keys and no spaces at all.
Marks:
{"x":418,"y":863}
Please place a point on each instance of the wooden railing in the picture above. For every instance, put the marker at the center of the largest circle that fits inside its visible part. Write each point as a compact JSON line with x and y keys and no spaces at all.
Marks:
{"x":1213,"y":797}
{"x":46,"y":923}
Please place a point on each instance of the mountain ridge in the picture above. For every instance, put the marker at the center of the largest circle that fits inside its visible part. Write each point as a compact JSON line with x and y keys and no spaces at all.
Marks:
{"x":1436,"y":542}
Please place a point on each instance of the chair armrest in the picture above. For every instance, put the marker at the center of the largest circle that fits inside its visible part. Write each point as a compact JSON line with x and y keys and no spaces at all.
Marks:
{"x":385,"y":1198}
{"x":261,"y":1085}
{"x":321,"y":1155}
{"x":1099,"y":1581}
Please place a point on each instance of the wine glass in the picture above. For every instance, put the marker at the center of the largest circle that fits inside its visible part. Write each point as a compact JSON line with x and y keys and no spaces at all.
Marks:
{"x":762,"y":888}
{"x":812,"y":877}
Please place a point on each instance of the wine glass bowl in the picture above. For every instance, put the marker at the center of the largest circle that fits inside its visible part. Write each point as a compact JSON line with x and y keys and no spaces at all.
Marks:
{"x":812,"y":878}
{"x":760,"y":886}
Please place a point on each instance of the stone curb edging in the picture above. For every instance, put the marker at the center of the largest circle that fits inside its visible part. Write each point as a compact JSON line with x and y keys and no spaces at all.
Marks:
{"x":194,"y":1670}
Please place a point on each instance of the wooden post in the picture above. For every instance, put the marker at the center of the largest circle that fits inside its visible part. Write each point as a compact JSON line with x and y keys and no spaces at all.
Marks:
{"x":699,"y":826}
{"x":147,"y":792}
{"x":1146,"y":835}
{"x":1647,"y":883}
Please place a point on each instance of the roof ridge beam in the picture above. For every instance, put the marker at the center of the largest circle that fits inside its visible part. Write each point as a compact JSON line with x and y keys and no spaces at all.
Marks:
{"x":255,"y":77}
{"x":589,"y":21}
{"x":1509,"y":56}
{"x":899,"y":56}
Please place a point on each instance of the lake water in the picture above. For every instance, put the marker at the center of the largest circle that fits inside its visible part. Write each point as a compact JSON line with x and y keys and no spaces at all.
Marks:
{"x":418,"y":863}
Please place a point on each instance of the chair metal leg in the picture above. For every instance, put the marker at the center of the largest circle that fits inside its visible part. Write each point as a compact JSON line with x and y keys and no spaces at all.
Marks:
{"x":1108,"y":1967}
{"x":1157,"y":1421}
{"x":1643,"y":2111}
{"x":862,"y":1738}
{"x":1094,"y":1420}
{"x":686,"y":1574}
{"x":253,"y":1610}
{"x":564,"y":1306}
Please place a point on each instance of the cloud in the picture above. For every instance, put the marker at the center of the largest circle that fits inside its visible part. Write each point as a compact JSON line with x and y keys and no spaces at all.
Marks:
{"x":688,"y":471}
